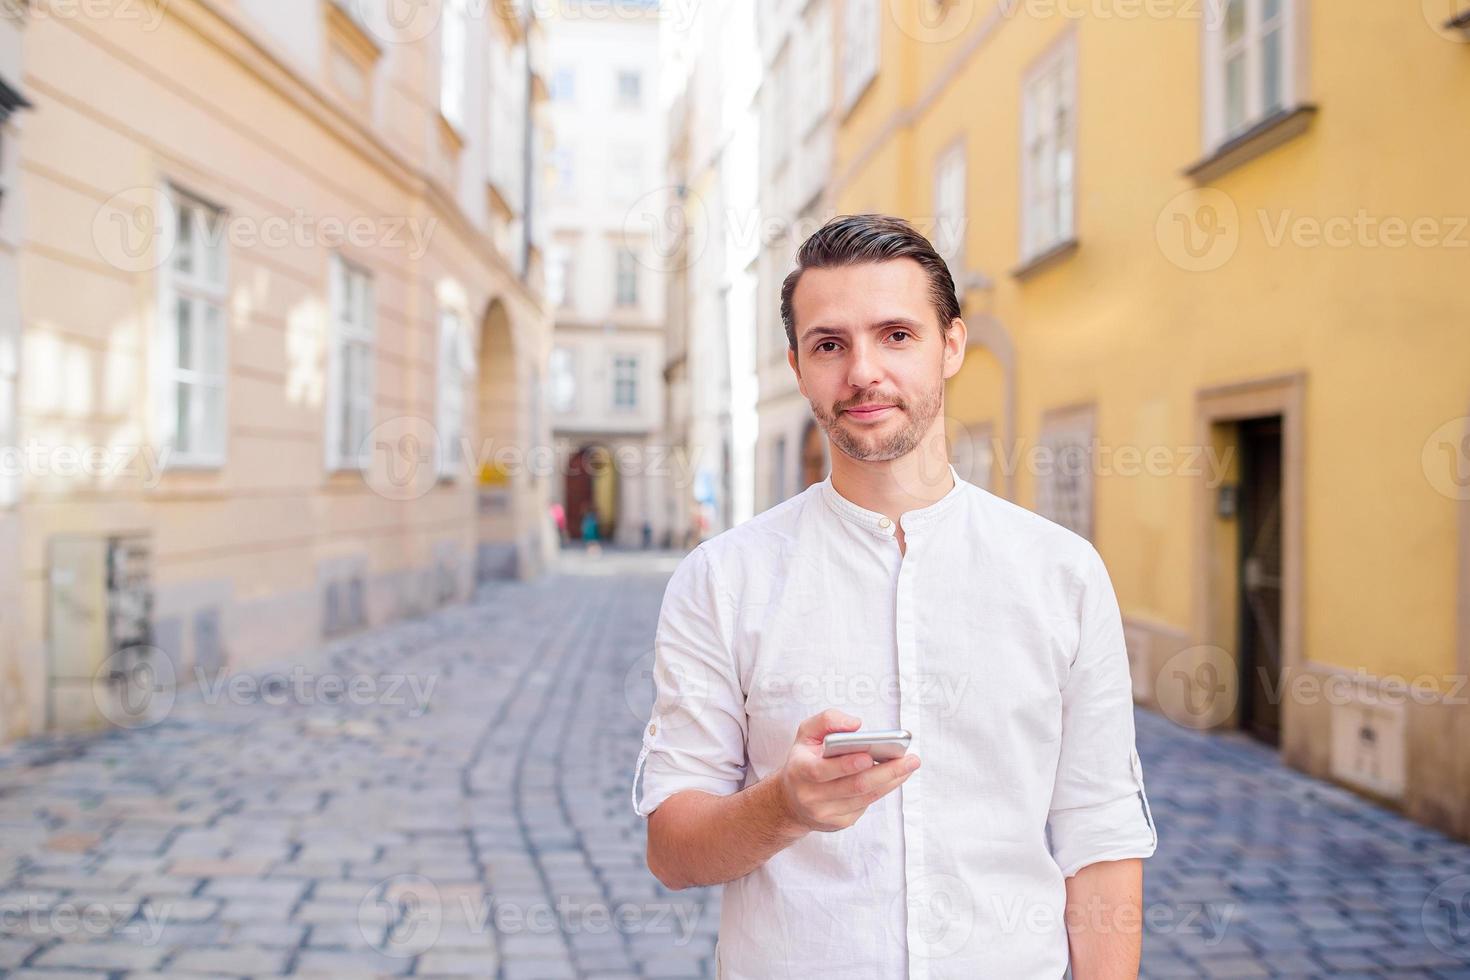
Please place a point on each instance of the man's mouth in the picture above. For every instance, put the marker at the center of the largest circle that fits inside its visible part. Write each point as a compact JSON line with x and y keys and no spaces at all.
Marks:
{"x":869,"y":412}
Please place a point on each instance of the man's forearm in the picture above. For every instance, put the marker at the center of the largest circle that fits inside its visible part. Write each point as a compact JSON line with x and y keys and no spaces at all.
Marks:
{"x":697,"y":838}
{"x":1105,"y":920}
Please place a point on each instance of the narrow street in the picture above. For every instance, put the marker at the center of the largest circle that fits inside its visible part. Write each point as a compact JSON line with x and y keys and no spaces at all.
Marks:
{"x":450,"y":797}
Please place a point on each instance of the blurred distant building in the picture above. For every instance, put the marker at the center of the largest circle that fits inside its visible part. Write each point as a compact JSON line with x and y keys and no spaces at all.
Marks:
{"x":605,"y":269}
{"x":804,"y":91}
{"x":282,"y":329}
{"x":714,"y":230}
{"x":1213,"y":272}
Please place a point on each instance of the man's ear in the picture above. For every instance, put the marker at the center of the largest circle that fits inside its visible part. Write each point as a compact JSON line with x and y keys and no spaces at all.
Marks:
{"x":955,"y":340}
{"x":791,"y":359}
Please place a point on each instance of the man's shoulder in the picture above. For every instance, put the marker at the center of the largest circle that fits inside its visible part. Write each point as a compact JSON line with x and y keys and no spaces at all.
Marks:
{"x":1025,"y":536}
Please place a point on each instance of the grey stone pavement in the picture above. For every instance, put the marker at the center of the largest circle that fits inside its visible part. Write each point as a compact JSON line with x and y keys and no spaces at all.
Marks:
{"x":449,"y":796}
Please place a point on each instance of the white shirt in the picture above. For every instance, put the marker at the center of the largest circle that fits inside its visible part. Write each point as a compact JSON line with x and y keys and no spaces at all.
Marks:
{"x":995,"y":639}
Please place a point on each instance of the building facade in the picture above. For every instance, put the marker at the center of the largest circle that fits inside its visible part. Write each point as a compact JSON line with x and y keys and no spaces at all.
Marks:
{"x":714,"y":275}
{"x":283,"y":341}
{"x":1216,"y":334}
{"x":605,"y":268}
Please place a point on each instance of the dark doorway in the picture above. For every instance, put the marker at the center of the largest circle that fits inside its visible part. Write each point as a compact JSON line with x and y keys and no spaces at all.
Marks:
{"x":1260,"y":578}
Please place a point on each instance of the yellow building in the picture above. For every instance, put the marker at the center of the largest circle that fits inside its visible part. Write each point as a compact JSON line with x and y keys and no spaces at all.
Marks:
{"x":283,"y":339}
{"x":1213,"y":261}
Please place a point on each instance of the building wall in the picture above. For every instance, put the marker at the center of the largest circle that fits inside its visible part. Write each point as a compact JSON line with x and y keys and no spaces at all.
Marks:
{"x":272,"y":551}
{"x":12,"y":221}
{"x":609,"y":194}
{"x":1352,"y":341}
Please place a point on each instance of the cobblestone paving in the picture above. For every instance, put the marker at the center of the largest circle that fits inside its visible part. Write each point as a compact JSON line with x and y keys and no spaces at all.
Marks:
{"x":450,"y":797}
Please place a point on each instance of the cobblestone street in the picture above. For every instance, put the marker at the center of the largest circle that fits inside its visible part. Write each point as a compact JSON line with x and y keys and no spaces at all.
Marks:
{"x":450,"y":797}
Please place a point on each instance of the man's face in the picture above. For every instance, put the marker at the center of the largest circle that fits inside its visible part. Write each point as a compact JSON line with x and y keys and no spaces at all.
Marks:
{"x":870,"y":356}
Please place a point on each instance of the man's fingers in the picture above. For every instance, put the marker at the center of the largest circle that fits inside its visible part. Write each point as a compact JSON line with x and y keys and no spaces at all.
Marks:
{"x":878,"y":779}
{"x":815,"y":728}
{"x":826,"y":770}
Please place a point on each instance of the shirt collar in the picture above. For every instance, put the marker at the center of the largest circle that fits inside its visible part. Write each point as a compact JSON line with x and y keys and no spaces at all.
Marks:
{"x":879,"y":523}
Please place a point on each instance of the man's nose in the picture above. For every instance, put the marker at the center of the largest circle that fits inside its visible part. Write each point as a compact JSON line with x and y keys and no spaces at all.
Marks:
{"x":864,"y":366}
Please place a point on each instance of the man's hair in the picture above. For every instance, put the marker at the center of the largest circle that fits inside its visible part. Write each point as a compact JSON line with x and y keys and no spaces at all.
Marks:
{"x":851,"y":239}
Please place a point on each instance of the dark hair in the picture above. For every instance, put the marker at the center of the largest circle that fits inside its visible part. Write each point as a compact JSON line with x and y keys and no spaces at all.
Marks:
{"x":851,"y":239}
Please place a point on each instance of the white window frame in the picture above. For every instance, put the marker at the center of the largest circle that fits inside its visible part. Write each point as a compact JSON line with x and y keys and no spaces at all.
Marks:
{"x":631,"y":273}
{"x":1049,"y":150}
{"x":862,"y":48}
{"x":456,"y":365}
{"x":453,"y":63}
{"x":563,"y":370}
{"x":634,"y":363}
{"x":350,"y":413}
{"x":204,"y":285}
{"x":950,"y":208}
{"x":624,"y":99}
{"x":1249,"y":50}
{"x":815,"y":53}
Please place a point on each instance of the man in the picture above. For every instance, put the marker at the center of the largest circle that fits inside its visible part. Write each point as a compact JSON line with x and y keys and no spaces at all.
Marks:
{"x":893,"y":594}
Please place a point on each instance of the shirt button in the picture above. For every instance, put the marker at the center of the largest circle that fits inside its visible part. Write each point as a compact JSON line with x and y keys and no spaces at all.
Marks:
{"x":652,"y":729}
{"x":885,"y":523}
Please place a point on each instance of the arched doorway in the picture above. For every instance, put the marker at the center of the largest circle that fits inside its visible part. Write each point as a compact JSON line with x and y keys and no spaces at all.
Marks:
{"x":592,"y":486}
{"x":813,"y":454}
{"x":498,"y":414}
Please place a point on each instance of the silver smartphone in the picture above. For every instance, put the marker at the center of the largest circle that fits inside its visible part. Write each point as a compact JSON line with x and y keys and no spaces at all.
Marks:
{"x":882,"y":744}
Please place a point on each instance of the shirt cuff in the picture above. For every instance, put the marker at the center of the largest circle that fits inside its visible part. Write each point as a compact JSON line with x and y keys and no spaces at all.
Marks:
{"x":662,"y":780}
{"x":1112,"y":831}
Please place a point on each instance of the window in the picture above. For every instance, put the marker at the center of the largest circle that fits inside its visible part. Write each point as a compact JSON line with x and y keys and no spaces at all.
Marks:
{"x":861,"y":46}
{"x":1048,"y":132}
{"x":565,"y":164}
{"x":630,"y":89}
{"x":193,"y":335}
{"x":452,"y":85}
{"x":625,"y":172}
{"x":1064,"y":487}
{"x":564,"y":85}
{"x":455,"y":363}
{"x":563,"y":379}
{"x":816,"y":65}
{"x":1250,"y":51}
{"x":559,"y":275}
{"x":949,"y":211}
{"x":350,"y":363}
{"x":627,"y":285}
{"x":625,"y":382}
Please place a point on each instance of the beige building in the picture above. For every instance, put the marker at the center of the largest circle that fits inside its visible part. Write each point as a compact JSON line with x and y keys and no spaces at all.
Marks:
{"x":604,"y":267}
{"x":282,"y":334}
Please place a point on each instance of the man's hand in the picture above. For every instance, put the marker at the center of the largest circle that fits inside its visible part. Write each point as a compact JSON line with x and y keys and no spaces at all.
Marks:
{"x":830,"y":794}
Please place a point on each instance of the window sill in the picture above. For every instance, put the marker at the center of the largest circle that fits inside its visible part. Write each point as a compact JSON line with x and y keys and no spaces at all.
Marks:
{"x":1045,"y":259}
{"x":1261,"y":138}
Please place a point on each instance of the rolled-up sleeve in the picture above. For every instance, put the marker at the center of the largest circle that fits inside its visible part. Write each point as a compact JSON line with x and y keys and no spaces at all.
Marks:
{"x":1099,"y":810}
{"x":695,"y":737}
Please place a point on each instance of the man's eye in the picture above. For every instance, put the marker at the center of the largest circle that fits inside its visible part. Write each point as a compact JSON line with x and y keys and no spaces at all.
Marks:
{"x":899,"y":333}
{"x":824,"y":344}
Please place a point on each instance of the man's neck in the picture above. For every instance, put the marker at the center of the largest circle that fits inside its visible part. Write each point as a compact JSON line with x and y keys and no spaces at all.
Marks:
{"x":895,"y":486}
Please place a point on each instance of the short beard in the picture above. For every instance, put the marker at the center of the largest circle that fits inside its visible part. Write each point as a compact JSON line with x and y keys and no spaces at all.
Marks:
{"x":901,"y":443}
